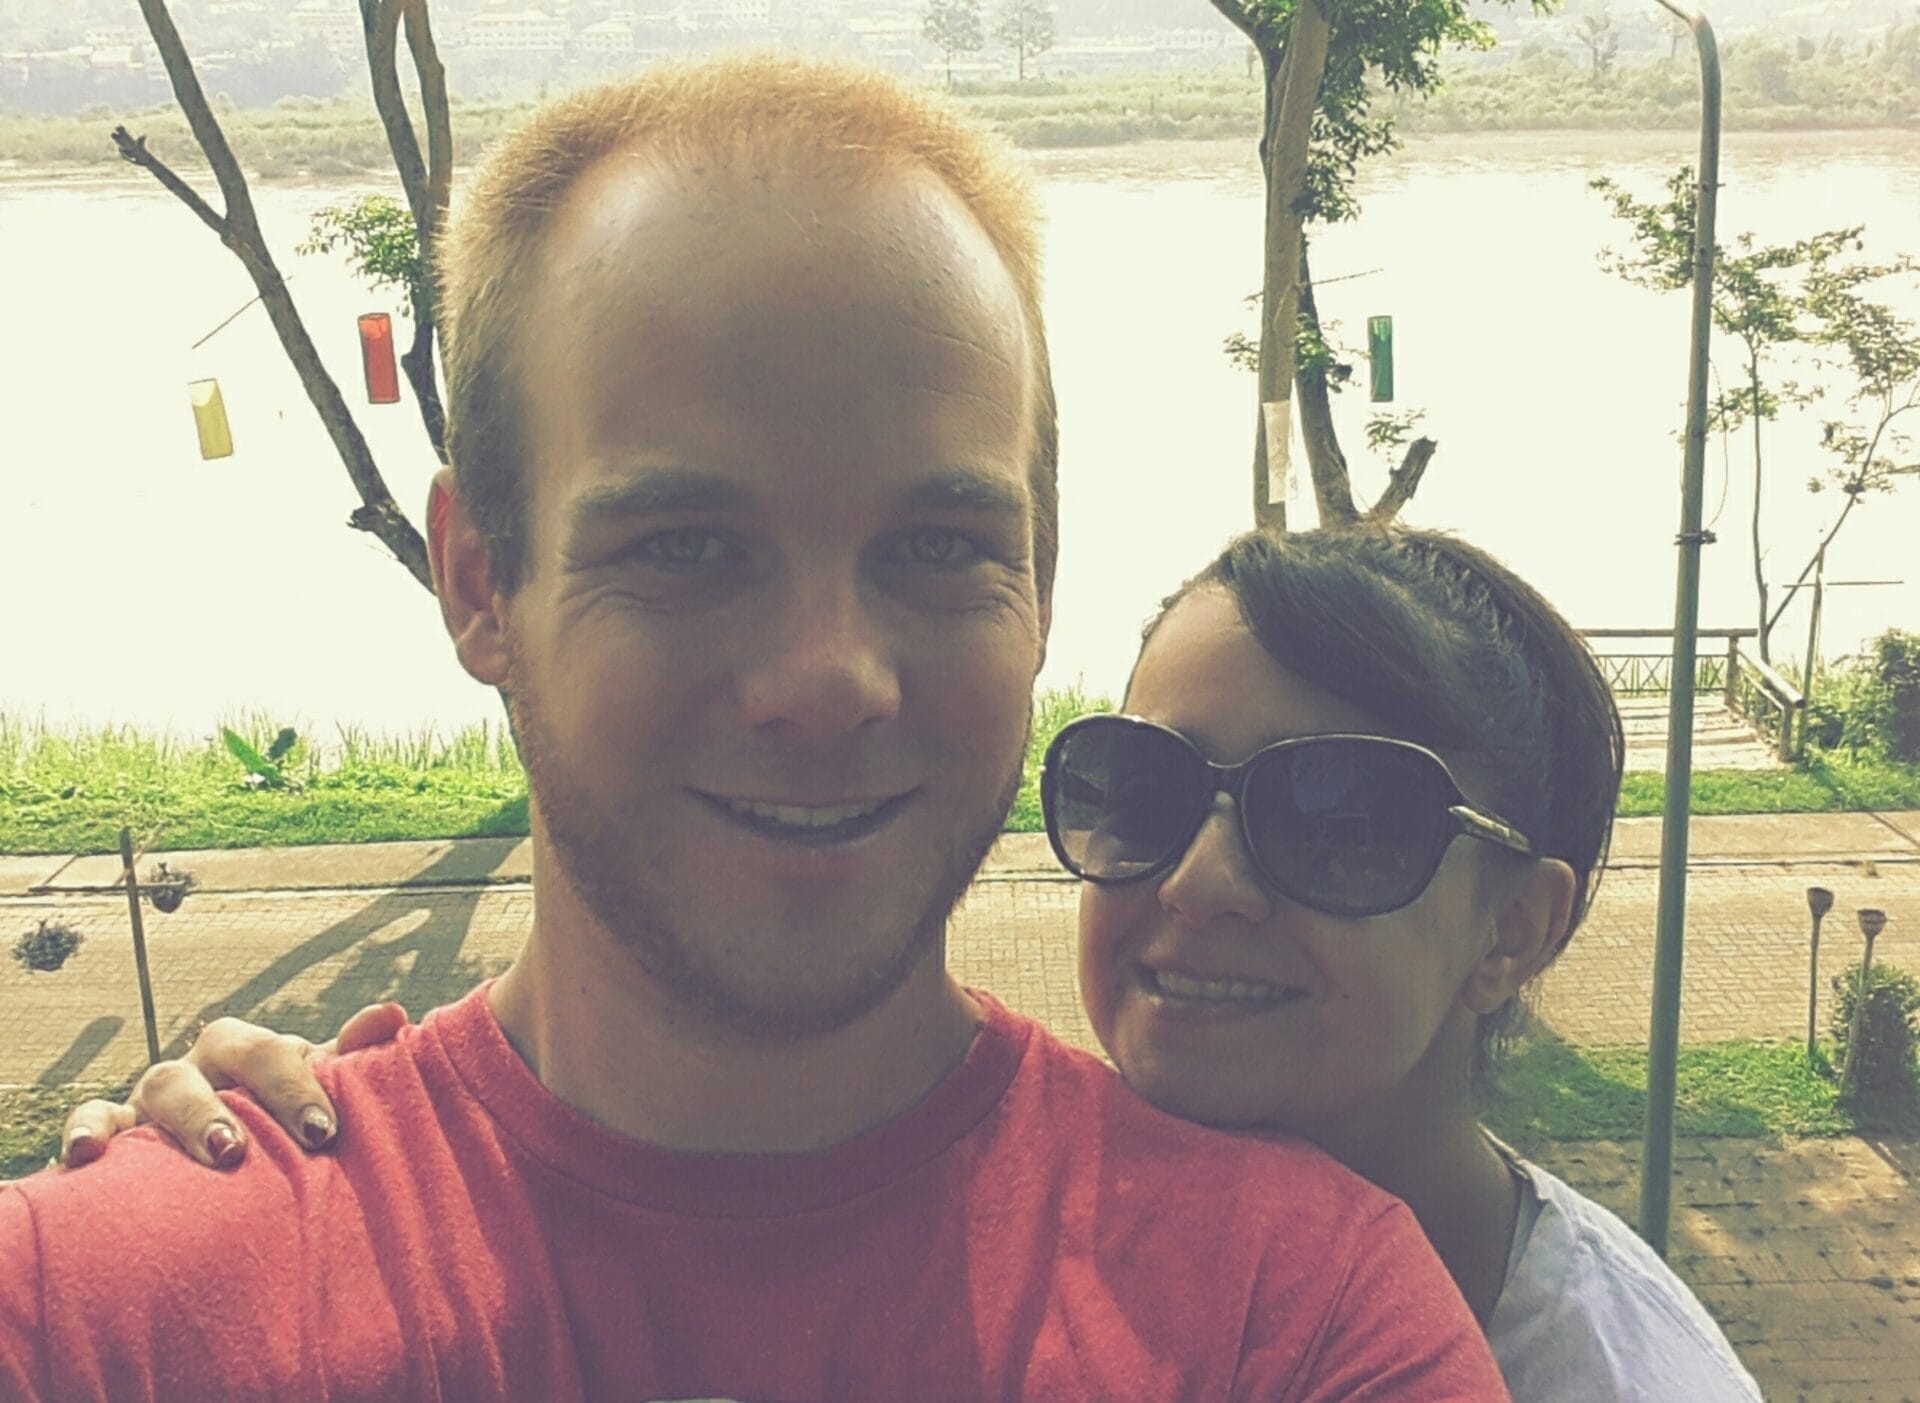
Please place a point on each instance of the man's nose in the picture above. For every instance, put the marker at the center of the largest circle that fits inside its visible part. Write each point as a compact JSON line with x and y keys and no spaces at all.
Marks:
{"x":826,"y":667}
{"x":1215,"y":876}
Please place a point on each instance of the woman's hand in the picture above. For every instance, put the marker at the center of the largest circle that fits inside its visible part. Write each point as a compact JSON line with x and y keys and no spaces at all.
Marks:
{"x":181,"y":1096}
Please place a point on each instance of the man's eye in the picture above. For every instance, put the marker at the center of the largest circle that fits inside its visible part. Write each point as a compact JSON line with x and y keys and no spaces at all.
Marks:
{"x":686,"y":549}
{"x":932,"y":546}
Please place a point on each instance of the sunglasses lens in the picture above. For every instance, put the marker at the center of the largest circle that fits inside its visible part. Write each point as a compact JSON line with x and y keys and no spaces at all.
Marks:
{"x":1347,"y":827}
{"x":1121,"y":797}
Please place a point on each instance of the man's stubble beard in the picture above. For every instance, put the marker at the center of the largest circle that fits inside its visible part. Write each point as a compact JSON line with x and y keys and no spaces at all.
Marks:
{"x":610,"y":881}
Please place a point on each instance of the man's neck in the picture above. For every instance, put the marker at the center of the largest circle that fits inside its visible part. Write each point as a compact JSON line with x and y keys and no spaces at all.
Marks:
{"x":605,"y":1039}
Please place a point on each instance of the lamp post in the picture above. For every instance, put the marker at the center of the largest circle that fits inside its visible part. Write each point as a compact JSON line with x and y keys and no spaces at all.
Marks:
{"x":1663,"y":1038}
{"x":1872,"y":922}
{"x":1819,"y":902}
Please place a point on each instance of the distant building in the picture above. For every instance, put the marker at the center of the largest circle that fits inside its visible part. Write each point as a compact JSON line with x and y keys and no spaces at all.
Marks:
{"x":328,"y":22}
{"x":754,"y":15}
{"x":522,"y":32}
{"x":607,"y":37}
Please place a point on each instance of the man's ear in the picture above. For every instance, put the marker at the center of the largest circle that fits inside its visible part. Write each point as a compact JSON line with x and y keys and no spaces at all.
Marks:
{"x":474,"y":610}
{"x":1530,"y":919}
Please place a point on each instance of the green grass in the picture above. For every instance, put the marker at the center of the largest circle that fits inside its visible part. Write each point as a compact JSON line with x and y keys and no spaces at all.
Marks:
{"x":1551,"y":1091}
{"x":1830,"y":782}
{"x":72,"y":791}
{"x":31,"y":1118}
{"x":62,"y":791}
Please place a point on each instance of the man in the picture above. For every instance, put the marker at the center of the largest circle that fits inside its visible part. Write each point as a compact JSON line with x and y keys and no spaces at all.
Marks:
{"x":752,"y":526}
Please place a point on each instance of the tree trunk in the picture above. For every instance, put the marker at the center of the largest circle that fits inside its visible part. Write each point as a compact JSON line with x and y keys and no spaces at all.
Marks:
{"x":1332,"y":484}
{"x":239,"y":230}
{"x":1293,"y":89}
{"x":1759,"y":573}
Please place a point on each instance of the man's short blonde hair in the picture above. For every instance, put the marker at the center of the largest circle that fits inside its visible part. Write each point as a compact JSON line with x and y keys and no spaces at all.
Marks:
{"x":842,"y":120}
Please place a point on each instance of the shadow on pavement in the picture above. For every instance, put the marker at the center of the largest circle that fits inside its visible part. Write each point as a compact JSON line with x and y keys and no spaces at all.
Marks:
{"x":420,"y":969}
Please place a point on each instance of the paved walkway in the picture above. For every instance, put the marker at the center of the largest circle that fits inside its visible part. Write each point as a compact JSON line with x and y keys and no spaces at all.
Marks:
{"x":1810,"y":1253}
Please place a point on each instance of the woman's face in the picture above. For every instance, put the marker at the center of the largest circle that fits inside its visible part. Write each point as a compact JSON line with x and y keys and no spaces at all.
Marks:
{"x":1224,"y":1002}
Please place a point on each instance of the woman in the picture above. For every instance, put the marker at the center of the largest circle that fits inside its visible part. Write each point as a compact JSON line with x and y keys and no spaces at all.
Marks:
{"x":1280,"y":933}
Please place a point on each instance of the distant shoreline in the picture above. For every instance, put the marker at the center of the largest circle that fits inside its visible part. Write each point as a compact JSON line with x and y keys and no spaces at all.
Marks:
{"x":1524,"y":102}
{"x":1416,"y":144}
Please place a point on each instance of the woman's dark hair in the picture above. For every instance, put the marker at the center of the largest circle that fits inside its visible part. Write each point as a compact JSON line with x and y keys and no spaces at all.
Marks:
{"x":1451,"y":649}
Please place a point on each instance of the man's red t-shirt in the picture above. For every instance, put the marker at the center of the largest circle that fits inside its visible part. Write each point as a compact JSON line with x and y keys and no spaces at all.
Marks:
{"x":1030,"y":1231}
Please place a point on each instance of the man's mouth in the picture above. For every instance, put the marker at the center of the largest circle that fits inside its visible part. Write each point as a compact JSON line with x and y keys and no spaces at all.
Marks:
{"x":1190,"y":991}
{"x":812,"y":824}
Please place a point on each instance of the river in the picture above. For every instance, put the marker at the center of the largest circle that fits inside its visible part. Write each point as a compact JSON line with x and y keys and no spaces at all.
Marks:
{"x":144,"y":586}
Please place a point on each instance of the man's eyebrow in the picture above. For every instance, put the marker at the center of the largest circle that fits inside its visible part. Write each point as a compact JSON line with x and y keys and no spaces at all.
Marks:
{"x":666,"y":490}
{"x":967,"y":489}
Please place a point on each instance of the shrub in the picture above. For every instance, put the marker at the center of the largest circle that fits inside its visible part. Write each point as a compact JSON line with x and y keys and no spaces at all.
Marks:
{"x":1887,"y":1033}
{"x":1896,"y":658}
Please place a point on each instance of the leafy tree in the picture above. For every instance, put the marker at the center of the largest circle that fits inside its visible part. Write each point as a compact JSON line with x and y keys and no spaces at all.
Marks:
{"x":1758,"y":300}
{"x":954,"y":27}
{"x":1602,"y":42}
{"x":1026,"y":27}
{"x":425,"y":177}
{"x":1379,"y":53}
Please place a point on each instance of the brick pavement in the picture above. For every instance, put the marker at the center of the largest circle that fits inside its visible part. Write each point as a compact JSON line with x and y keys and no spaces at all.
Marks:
{"x":1810,"y":1253}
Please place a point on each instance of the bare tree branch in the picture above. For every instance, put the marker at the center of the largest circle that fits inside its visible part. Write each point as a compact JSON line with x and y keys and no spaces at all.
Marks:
{"x":1404,"y":481}
{"x":134,"y":150}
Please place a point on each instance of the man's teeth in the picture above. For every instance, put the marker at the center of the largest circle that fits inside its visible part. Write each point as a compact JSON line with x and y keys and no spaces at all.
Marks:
{"x":797,"y":816}
{"x":1181,"y":986}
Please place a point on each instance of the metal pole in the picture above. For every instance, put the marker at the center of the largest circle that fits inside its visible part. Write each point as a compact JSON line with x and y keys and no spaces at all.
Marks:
{"x":1663,"y":1042}
{"x":139,"y":946}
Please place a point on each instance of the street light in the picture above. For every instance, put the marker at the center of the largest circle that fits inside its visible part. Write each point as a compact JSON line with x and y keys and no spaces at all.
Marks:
{"x":1872,"y":922}
{"x":1663,"y":1040}
{"x":1819,"y":902}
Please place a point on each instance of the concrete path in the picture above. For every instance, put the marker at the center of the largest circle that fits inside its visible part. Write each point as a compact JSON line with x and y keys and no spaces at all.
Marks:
{"x":1810,"y":1253}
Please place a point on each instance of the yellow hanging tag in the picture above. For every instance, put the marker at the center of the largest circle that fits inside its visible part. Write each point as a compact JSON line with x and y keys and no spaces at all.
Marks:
{"x":210,"y":419}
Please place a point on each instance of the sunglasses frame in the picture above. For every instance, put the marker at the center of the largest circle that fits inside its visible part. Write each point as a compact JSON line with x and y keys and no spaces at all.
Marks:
{"x":1465,"y":818}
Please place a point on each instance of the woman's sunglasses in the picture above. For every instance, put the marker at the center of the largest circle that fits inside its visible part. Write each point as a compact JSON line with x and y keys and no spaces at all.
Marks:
{"x":1347,"y":825}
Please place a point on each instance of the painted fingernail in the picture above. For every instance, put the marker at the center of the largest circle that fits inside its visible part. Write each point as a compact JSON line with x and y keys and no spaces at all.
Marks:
{"x":83,"y":1148}
{"x":224,"y":1145}
{"x":316,"y":1127}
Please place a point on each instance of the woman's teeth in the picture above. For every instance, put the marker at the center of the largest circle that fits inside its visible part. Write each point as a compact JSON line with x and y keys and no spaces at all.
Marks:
{"x":1180,"y":986}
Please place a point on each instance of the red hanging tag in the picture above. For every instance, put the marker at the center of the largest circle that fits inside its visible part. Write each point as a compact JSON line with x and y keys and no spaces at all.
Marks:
{"x":376,"y":355}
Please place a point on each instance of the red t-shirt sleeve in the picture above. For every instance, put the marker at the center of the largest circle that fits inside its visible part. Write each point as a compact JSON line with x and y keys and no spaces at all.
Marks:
{"x":1396,"y":1331}
{"x":23,"y":1362}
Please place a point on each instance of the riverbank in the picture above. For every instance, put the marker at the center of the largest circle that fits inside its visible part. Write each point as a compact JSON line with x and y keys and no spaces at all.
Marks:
{"x":1767,"y":90}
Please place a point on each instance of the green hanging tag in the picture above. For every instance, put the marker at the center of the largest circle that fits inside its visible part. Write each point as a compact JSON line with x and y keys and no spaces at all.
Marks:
{"x":1380,"y":354}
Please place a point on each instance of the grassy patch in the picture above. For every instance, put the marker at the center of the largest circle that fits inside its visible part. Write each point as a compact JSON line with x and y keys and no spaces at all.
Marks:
{"x":1552,"y":1091}
{"x":1830,"y":782}
{"x":66,"y":792}
{"x":31,"y":1118}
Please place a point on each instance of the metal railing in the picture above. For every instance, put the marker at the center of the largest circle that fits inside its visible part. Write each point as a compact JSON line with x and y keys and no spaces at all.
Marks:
{"x":1773,"y":705}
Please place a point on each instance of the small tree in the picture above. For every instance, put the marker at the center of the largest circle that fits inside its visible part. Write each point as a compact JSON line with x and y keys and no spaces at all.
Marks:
{"x":1758,"y":300}
{"x":954,"y":27}
{"x":1602,"y":42}
{"x":1026,"y":27}
{"x":1872,"y":449}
